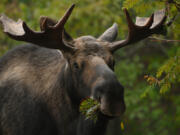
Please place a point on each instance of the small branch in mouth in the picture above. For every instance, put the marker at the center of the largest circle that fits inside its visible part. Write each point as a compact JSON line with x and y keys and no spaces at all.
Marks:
{"x":90,"y":108}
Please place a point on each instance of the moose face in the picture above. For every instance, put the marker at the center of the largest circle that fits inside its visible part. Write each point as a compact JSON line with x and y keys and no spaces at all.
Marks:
{"x":92,"y":68}
{"x":90,"y":60}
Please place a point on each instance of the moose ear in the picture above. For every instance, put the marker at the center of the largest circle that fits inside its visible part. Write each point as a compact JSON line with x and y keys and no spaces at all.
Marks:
{"x":110,"y":34}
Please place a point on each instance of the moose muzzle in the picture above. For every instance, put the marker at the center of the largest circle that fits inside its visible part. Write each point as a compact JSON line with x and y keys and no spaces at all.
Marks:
{"x":109,"y":92}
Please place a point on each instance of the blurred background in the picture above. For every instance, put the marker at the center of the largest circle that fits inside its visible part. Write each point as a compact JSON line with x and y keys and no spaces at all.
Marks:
{"x":149,"y":70}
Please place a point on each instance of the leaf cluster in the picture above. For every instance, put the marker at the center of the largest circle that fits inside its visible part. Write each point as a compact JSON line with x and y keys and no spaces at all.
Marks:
{"x":89,"y":108}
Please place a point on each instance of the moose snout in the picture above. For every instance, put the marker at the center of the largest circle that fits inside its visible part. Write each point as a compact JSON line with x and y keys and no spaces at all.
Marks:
{"x":110,"y":94}
{"x":108,"y":91}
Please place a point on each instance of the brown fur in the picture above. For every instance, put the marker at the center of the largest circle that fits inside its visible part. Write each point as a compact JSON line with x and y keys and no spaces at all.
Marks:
{"x":52,"y":85}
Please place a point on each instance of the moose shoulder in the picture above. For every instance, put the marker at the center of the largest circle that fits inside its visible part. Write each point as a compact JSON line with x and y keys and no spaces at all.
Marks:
{"x":43,"y":83}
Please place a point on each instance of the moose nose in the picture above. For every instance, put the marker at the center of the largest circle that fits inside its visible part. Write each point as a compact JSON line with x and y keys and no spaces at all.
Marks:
{"x":110,"y":93}
{"x":112,"y":99}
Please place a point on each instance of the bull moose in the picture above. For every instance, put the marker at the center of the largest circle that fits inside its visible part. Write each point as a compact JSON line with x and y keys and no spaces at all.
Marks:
{"x":43,"y":83}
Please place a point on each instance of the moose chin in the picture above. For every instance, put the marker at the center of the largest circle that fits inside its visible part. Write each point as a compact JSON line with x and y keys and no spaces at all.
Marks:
{"x":42,"y":83}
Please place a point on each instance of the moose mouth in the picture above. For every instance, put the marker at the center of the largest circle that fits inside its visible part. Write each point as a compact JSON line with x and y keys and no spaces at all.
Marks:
{"x":112,"y":109}
{"x":111,"y":115}
{"x":92,"y":108}
{"x":107,"y":116}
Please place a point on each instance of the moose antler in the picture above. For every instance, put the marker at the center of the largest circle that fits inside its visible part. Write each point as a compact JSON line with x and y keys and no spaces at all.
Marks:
{"x":143,"y":28}
{"x":51,"y":36}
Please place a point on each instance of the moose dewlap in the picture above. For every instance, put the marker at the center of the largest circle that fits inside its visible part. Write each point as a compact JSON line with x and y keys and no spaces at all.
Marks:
{"x":43,"y":83}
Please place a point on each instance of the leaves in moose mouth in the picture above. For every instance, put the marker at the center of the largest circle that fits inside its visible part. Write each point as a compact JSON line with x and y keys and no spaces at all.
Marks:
{"x":89,"y":108}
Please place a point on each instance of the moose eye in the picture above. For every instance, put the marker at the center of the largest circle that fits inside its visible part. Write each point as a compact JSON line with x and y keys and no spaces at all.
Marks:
{"x":76,"y":66}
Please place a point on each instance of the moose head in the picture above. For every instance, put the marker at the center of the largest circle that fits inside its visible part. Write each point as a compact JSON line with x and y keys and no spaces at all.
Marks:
{"x":88,"y":60}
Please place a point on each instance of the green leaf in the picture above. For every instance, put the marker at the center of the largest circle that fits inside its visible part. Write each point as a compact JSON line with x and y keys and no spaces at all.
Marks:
{"x":89,"y":107}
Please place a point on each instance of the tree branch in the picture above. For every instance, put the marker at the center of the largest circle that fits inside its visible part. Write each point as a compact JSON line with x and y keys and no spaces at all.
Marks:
{"x":164,"y":40}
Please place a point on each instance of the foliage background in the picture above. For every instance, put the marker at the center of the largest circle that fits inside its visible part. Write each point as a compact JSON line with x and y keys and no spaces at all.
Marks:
{"x":153,"y":106}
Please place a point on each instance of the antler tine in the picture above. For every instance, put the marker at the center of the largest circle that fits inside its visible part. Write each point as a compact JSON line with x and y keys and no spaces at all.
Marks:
{"x":156,"y":29}
{"x":150,"y":21}
{"x":143,"y":28}
{"x":129,"y":20}
{"x":43,"y":23}
{"x":63,"y":20}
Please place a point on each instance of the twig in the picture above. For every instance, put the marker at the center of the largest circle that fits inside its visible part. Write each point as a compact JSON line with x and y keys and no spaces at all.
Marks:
{"x":160,"y":39}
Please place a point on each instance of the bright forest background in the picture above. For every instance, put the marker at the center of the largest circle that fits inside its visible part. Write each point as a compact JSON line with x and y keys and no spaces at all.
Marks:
{"x":149,"y":70}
